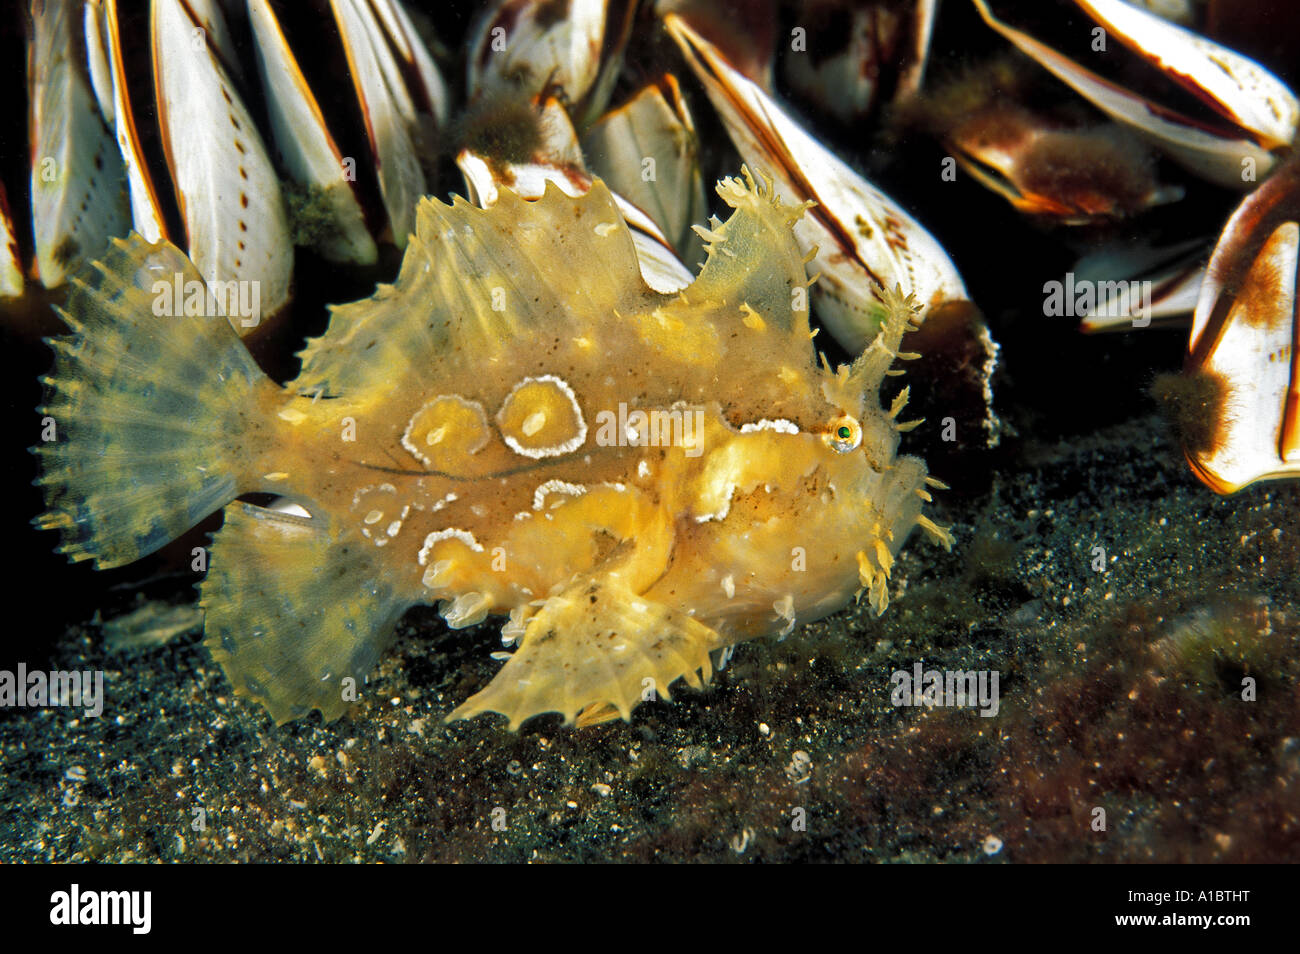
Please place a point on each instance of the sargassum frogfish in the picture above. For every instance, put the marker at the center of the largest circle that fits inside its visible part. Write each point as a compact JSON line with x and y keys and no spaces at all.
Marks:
{"x":519,"y":426}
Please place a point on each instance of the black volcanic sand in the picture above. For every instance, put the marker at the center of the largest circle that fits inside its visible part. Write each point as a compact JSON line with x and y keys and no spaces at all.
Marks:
{"x":1120,"y":691}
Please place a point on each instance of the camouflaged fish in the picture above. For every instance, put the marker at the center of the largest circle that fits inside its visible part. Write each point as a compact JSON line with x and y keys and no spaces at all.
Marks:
{"x":517,"y":426}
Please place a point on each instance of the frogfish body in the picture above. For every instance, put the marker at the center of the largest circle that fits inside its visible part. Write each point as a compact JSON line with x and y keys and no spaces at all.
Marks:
{"x":517,"y":426}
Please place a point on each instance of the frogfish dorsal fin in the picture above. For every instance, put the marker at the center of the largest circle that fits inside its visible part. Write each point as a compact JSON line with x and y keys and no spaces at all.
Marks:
{"x":472,"y":279}
{"x":754,"y":266}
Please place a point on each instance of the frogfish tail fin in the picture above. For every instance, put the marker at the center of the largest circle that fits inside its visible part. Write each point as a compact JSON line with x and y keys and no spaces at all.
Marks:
{"x":152,"y":407}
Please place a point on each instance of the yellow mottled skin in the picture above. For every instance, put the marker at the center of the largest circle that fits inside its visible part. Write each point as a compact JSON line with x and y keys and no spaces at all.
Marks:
{"x":519,"y":426}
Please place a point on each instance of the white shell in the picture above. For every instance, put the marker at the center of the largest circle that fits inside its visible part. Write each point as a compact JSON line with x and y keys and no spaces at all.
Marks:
{"x":654,"y":126}
{"x":388,"y":109}
{"x":77,"y":178}
{"x":11,"y":268}
{"x":207,"y":15}
{"x":94,"y":27}
{"x":228,"y":192}
{"x":308,"y":152}
{"x":146,"y":214}
{"x":1259,"y":112}
{"x":1174,"y":275}
{"x":401,"y":32}
{"x":858,"y":233}
{"x":512,"y":53}
{"x":1248,"y":342}
{"x":884,"y":41}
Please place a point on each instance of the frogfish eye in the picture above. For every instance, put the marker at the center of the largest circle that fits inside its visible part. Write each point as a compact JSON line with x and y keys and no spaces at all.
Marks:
{"x":845,"y":434}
